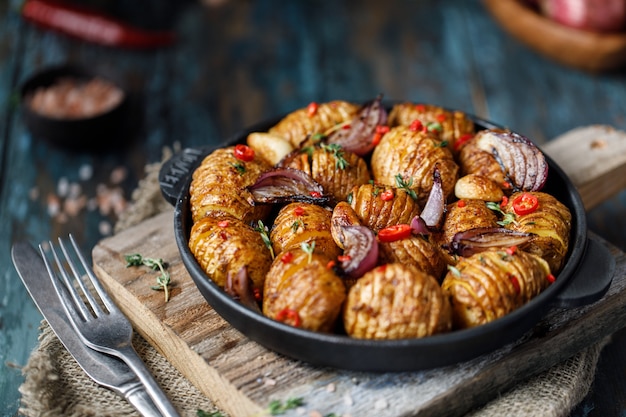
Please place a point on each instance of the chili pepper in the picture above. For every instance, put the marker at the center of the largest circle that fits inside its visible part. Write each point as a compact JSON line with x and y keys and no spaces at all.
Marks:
{"x":515,"y":283}
{"x":286,"y":258}
{"x":289,"y":314}
{"x":461,"y":204}
{"x":89,"y":25}
{"x":462,"y":141}
{"x":525,"y":203}
{"x":312,"y":109}
{"x":386,"y":195}
{"x":395,"y":232}
{"x":244,"y":152}
{"x":416,"y":126}
{"x":298,"y":211}
{"x":551,"y":278}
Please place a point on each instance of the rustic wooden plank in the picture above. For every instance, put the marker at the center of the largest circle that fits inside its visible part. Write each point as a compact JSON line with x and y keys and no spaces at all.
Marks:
{"x":241,"y":376}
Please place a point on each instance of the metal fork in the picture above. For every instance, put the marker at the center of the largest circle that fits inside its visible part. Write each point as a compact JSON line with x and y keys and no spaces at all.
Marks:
{"x":105,"y":330}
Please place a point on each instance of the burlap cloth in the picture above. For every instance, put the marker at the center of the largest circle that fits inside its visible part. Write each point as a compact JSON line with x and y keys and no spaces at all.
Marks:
{"x":55,"y":385}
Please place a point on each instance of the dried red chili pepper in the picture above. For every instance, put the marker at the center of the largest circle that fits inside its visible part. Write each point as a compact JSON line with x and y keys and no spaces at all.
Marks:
{"x":92,"y":26}
{"x":244,"y":152}
{"x":289,"y":314}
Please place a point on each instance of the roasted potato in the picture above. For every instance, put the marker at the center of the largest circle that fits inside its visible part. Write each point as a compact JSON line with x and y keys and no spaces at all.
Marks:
{"x":336,"y":170}
{"x":477,"y":187}
{"x":379,"y":206}
{"x":302,"y":124}
{"x":224,"y":245}
{"x":449,"y":125}
{"x":301,"y":290}
{"x":406,"y":157}
{"x":299,"y":223}
{"x":416,"y":251}
{"x":219,"y":184}
{"x":491,"y":284}
{"x":461,"y":216}
{"x":549,"y":222}
{"x":271,"y":148}
{"x":395,"y":301}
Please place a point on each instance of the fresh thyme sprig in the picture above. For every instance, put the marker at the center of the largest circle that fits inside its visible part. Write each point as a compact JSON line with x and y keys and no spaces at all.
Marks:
{"x":308,"y":248}
{"x":264,"y":231}
{"x":337,"y":151}
{"x":406,"y":186}
{"x":507,"y":218}
{"x":277,"y":407}
{"x":163,"y":279}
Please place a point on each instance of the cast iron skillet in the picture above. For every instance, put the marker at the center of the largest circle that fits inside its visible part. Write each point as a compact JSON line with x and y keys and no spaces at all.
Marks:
{"x":585,"y":278}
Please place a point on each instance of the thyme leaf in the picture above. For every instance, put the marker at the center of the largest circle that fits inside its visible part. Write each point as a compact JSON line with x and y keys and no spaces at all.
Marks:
{"x":406,"y":186}
{"x":264,"y":231}
{"x":337,"y":152}
{"x":277,"y":407}
{"x":163,"y":279}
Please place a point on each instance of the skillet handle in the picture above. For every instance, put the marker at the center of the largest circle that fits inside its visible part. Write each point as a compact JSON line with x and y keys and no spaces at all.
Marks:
{"x":592,"y":278}
{"x":175,"y":173}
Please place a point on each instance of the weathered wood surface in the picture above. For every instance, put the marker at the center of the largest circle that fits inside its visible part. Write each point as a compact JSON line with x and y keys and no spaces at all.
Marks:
{"x":242,"y":377}
{"x":238,"y":62}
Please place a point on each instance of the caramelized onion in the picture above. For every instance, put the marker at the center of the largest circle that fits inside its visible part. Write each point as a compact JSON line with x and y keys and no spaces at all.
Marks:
{"x":480,"y":239}
{"x":360,"y":250}
{"x":434,"y":209}
{"x":522,"y":162}
{"x":239,"y":288}
{"x":285,"y":185}
{"x":358,"y":138}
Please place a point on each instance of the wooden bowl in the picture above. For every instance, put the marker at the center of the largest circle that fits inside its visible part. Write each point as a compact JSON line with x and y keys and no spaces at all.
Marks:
{"x":589,"y":51}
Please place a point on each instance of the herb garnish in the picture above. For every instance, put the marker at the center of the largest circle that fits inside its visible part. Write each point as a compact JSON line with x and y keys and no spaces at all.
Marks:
{"x":239,"y":167}
{"x":202,"y":413}
{"x":163,"y":279}
{"x":308,"y":248}
{"x":406,"y":186}
{"x":263,"y":230}
{"x":336,"y":150}
{"x":507,"y":218}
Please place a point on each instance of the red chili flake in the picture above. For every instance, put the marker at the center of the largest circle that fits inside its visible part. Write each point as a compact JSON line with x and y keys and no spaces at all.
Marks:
{"x":289,"y":314}
{"x":224,"y":236}
{"x":244,"y":152}
{"x":331,"y":264}
{"x":346,"y":127}
{"x":461,"y":203}
{"x":504,"y":202}
{"x":382,"y":268}
{"x":442,"y":117}
{"x":223,"y":223}
{"x":420,"y":107}
{"x":344,"y":258}
{"x":298,"y":211}
{"x":382,"y":129}
{"x":506,"y":185}
{"x":257,"y":294}
{"x":312,"y":109}
{"x":286,"y":257}
{"x":515,"y":283}
{"x":462,"y":141}
{"x":315,"y":194}
{"x":386,"y":195}
{"x":551,"y":278}
{"x":416,"y":126}
{"x":512,"y":250}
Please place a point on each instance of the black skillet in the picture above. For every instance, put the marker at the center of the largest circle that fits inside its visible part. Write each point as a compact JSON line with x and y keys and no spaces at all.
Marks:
{"x":585,"y":278}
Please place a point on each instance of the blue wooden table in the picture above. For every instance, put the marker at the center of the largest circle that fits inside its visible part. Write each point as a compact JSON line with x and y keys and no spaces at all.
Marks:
{"x":238,"y":62}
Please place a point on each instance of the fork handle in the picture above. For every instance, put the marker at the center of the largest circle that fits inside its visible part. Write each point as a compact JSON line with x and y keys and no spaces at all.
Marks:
{"x":132,"y":359}
{"x":139,"y":398}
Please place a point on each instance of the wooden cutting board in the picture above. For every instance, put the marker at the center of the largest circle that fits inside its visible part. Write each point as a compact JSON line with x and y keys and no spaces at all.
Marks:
{"x":242,"y":377}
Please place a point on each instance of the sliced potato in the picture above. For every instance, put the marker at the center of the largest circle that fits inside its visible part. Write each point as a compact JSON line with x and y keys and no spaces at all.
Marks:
{"x":272,"y":148}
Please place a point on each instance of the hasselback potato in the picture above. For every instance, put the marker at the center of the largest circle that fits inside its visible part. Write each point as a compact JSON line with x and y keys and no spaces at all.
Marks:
{"x":299,"y":223}
{"x":491,"y":284}
{"x":461,"y":216}
{"x":301,"y":290}
{"x":547,"y":219}
{"x":335,"y":169}
{"x":395,"y":301}
{"x":379,"y":206}
{"x":224,"y":245}
{"x":302,"y":124}
{"x":450,"y":125}
{"x":408,"y":157}
{"x":416,"y":251}
{"x":219,"y":184}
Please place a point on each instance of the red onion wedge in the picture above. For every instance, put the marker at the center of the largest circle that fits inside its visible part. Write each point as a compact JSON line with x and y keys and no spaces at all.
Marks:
{"x":434,"y":209}
{"x":238,"y":287}
{"x":284,"y":185}
{"x":522,"y":162}
{"x":480,"y":239}
{"x":358,"y":138}
{"x":360,"y":250}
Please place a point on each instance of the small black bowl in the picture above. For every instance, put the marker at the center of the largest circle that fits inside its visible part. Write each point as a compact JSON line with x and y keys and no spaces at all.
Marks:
{"x":102,"y":130}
